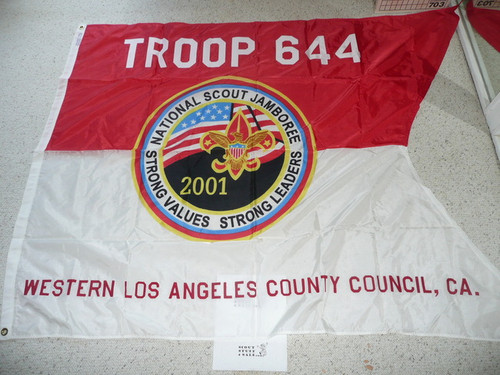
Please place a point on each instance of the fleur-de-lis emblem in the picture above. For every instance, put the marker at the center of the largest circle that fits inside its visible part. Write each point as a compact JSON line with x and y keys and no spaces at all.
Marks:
{"x":237,"y":141}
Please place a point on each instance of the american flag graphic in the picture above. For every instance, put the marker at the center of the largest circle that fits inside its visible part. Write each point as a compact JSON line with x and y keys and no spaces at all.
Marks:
{"x":185,"y":139}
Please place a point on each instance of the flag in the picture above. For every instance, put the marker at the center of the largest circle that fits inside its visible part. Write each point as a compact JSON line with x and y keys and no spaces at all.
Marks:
{"x":486,"y":22}
{"x":197,"y":181}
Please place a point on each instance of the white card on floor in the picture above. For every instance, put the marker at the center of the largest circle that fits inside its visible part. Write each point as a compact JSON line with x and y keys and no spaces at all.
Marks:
{"x":251,"y":354}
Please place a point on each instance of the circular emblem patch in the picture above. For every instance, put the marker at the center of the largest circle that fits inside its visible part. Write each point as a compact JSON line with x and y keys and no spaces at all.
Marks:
{"x":224,"y":160}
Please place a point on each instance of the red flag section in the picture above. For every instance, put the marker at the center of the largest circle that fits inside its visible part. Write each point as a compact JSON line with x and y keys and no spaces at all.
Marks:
{"x":486,"y":22}
{"x":359,"y":82}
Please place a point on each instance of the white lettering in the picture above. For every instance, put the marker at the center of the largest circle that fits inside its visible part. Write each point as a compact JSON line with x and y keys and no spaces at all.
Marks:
{"x":186,"y":51}
{"x":132,"y":50}
{"x":354,"y":54}
{"x":179,"y":45}
{"x":237,"y":50}
{"x":323,"y":55}
{"x":207,"y":49}
{"x":291,"y":51}
{"x":159,"y":54}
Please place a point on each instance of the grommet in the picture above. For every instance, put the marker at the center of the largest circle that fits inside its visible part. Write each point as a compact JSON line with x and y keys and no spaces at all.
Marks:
{"x":4,"y":331}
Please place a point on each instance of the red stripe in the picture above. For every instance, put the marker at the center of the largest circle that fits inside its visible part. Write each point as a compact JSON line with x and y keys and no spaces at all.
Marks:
{"x":365,"y":104}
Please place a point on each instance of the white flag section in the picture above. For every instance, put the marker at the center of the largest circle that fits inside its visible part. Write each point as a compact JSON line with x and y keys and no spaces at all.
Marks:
{"x":367,"y":250}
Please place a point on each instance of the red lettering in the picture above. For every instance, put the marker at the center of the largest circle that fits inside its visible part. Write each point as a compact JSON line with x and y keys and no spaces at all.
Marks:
{"x":354,"y":290}
{"x":58,"y":284}
{"x":79,"y":292}
{"x":383,"y":288}
{"x":417,"y":283}
{"x":449,"y":285}
{"x":94,"y":286}
{"x":465,"y":289}
{"x":43,"y":287}
{"x":154,"y":292}
{"x":237,"y":288}
{"x":59,"y":287}
{"x":226,"y":296}
{"x":70,"y":284}
{"x":252,"y":289}
{"x":126,"y":294}
{"x":371,"y":281}
{"x":395,"y":283}
{"x":174,"y":291}
{"x":203,"y":293}
{"x":313,"y":284}
{"x":334,"y":280}
{"x":424,"y":289}
{"x":109,"y":288}
{"x":269,"y":282}
{"x":140,"y":289}
{"x":214,"y":290}
{"x":296,"y":289}
{"x":285,"y":285}
{"x":30,"y":286}
{"x":189,"y":291}
{"x":405,"y":286}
